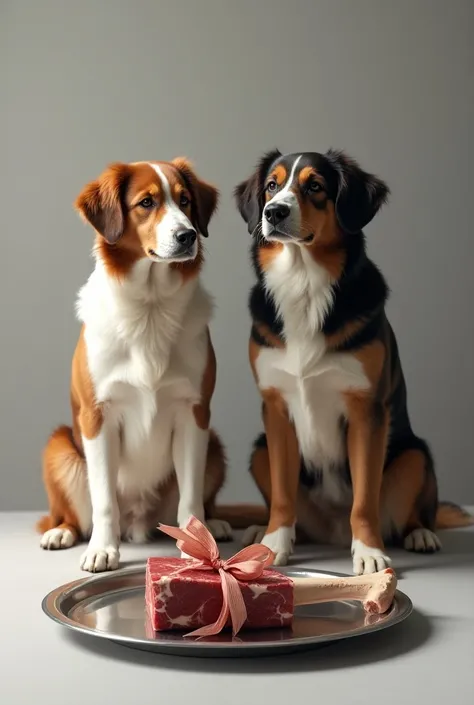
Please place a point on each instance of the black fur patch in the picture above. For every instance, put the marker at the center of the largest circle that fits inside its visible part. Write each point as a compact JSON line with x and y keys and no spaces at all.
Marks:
{"x":250,"y":194}
{"x":359,"y":295}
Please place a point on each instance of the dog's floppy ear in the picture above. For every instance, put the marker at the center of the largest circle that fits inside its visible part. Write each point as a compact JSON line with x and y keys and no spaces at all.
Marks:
{"x":101,"y":203}
{"x":359,"y":194}
{"x":249,"y":194}
{"x":205,"y":196}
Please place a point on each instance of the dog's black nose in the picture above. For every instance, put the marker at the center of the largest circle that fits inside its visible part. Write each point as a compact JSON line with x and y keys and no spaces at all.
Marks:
{"x":276,"y":212}
{"x":186,"y":238}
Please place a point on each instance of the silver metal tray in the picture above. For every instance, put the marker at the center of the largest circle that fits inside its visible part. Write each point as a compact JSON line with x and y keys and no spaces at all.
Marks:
{"x":112,"y":606}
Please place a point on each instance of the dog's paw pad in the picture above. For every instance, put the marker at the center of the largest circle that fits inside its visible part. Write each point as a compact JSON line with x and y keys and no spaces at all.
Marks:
{"x":422,"y":541}
{"x":221,"y":530}
{"x":281,"y":542}
{"x":57,"y":538}
{"x":98,"y":560}
{"x":253,"y":534}
{"x":366,"y":560}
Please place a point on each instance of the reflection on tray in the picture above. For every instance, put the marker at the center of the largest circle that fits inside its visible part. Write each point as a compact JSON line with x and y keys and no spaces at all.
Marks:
{"x":123,"y":613}
{"x":303,"y":626}
{"x":114,"y":615}
{"x":225,"y":637}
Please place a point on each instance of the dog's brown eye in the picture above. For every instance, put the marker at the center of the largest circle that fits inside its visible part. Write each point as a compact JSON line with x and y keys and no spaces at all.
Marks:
{"x":314,"y":187}
{"x":146,"y":202}
{"x":183,"y":200}
{"x":271,"y":186}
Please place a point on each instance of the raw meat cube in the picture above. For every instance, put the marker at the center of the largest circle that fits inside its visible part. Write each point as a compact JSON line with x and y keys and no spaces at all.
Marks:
{"x":192,"y":599}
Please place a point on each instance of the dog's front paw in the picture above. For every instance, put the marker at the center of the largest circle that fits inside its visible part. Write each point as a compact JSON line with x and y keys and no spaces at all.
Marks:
{"x":221,"y":530}
{"x":57,"y":538}
{"x":281,"y":542}
{"x":366,"y":559}
{"x":98,"y":559}
{"x":253,"y":534}
{"x":422,"y":541}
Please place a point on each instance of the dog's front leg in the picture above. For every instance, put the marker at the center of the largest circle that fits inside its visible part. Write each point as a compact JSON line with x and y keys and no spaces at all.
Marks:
{"x":190,"y":453}
{"x":284,"y":458}
{"x":102,"y":456}
{"x":366,"y":445}
{"x":190,"y":443}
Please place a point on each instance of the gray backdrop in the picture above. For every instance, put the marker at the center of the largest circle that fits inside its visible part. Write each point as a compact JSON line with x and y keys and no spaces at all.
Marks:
{"x":220,"y":81}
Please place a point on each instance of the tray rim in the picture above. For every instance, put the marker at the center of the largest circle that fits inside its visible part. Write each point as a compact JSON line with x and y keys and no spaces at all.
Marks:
{"x":50,"y":605}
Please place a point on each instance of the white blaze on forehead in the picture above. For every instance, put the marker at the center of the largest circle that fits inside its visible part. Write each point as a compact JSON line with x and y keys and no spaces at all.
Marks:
{"x":165,"y":184}
{"x":285,"y":191}
{"x":287,"y":197}
{"x":173,"y":220}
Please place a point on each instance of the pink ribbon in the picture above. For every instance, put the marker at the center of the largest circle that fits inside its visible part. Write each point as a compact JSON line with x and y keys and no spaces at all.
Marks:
{"x":196,"y":541}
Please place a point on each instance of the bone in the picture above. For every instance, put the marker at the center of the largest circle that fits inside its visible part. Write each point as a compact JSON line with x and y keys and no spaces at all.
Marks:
{"x":375,"y":591}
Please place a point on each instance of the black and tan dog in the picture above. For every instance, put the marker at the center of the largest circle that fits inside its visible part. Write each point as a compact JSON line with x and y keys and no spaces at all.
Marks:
{"x":339,"y":459}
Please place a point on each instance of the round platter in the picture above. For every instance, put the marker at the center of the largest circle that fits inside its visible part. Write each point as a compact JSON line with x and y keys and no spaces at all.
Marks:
{"x":112,"y":606}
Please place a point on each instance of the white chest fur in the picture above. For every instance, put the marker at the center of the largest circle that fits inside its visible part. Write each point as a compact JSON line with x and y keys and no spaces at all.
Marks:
{"x":310,"y":379}
{"x":133,"y":326}
{"x":314,"y":394}
{"x":147,"y":350}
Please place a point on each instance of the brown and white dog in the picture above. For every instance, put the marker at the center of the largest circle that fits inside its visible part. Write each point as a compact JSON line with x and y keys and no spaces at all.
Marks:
{"x":140,"y":450}
{"x":339,"y":459}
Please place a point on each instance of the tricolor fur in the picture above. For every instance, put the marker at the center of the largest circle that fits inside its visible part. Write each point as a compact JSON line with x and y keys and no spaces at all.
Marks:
{"x":139,"y":450}
{"x":339,"y":459}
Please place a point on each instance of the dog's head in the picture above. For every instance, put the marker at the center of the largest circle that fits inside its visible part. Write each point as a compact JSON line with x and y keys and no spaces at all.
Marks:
{"x":300,"y":198}
{"x":150,"y":209}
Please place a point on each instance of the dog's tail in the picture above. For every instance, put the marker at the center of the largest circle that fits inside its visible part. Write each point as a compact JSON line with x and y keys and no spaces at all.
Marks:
{"x":452,"y":516}
{"x":63,"y":466}
{"x":241,"y":516}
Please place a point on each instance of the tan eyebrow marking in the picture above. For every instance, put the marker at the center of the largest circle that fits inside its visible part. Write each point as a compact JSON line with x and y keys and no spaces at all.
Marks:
{"x":307,"y":173}
{"x":151,"y":190}
{"x":179,"y":188}
{"x":279,"y":174}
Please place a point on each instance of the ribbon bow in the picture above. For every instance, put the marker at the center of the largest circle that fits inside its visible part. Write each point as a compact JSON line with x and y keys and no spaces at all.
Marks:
{"x":196,"y":541}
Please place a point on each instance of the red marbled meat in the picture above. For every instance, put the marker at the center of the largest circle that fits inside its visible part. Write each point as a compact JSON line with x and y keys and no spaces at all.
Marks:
{"x":193,"y":598}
